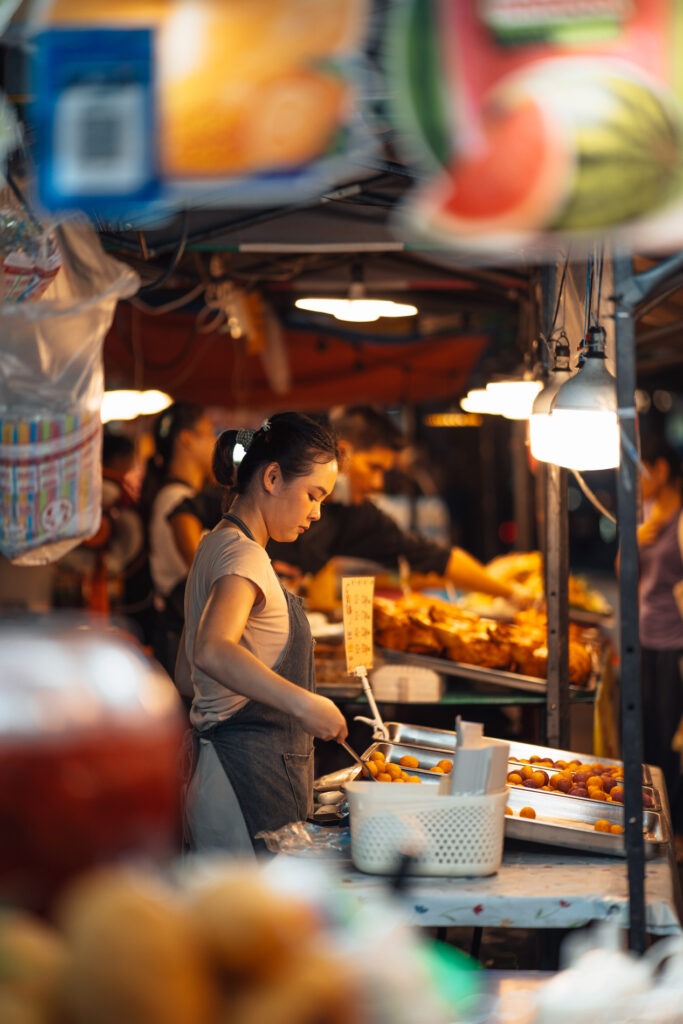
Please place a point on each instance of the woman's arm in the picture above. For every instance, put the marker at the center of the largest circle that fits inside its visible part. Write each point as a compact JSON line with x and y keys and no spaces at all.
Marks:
{"x":187,"y":533}
{"x":218,"y":653}
{"x":182,"y":676}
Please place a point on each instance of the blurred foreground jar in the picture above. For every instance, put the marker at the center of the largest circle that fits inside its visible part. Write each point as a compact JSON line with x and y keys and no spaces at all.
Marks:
{"x":90,"y":733}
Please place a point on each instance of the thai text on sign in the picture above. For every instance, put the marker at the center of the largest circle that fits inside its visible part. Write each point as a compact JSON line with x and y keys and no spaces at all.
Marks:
{"x":357,"y":594}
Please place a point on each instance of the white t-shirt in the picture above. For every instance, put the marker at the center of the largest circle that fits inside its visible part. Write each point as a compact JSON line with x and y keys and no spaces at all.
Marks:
{"x":226,"y":552}
{"x":166,"y":564}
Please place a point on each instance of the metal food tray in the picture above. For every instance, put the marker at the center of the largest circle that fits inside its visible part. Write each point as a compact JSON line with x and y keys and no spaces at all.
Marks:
{"x":494,"y":676}
{"x":444,"y":740}
{"x":567,"y":821}
{"x":524,"y":751}
{"x":562,"y":820}
{"x":395,"y":751}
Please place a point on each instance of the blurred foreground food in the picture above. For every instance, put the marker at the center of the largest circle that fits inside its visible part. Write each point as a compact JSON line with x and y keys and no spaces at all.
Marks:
{"x":90,"y":739}
{"x":220,"y":944}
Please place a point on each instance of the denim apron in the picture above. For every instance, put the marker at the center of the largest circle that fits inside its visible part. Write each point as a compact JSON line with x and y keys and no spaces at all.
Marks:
{"x":266,"y":755}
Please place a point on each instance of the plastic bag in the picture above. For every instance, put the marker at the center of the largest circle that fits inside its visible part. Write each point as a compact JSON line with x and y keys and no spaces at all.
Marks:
{"x":51,"y":387}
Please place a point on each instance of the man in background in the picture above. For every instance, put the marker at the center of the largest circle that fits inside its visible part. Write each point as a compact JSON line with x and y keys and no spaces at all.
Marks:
{"x":354,"y":527}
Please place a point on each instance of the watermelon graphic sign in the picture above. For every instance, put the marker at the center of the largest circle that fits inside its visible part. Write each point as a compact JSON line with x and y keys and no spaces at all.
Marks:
{"x":536,"y":125}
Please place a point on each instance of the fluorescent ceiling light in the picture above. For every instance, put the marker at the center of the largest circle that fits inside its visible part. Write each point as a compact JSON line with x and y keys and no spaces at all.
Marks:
{"x":128,"y":405}
{"x":356,"y":310}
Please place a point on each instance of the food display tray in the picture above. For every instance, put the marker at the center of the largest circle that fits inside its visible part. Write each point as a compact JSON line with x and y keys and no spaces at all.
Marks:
{"x":476,"y":673}
{"x":444,"y":740}
{"x":561,"y":820}
{"x":569,"y":821}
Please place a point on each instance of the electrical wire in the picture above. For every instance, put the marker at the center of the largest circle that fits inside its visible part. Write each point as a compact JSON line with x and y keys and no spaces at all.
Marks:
{"x":560,"y":292}
{"x":592,"y":497}
{"x":169,"y":307}
{"x":175,"y":260}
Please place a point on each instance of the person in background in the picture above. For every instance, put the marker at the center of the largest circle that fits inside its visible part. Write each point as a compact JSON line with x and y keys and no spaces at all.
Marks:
{"x":247,"y":656}
{"x":661,"y":613}
{"x":110,"y":565}
{"x":354,"y":527}
{"x":180,"y":466}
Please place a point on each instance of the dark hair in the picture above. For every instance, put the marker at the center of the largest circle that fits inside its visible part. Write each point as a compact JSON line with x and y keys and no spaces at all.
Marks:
{"x":365,"y":427}
{"x":655,"y":446}
{"x":291,"y":439}
{"x":116,"y":446}
{"x":168,"y":424}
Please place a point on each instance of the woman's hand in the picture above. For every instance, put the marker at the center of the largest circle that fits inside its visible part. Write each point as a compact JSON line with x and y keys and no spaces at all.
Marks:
{"x":321,"y":717}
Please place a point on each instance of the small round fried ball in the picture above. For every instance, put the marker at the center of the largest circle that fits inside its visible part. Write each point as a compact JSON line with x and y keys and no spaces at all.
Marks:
{"x":383,"y":777}
{"x":393,"y":769}
{"x":414,"y":778}
{"x":508,"y":810}
{"x":616,"y":830}
{"x":409,"y":761}
{"x":437,"y":770}
{"x":377,"y":755}
{"x":515,"y":779}
{"x":32,"y":958}
{"x":527,"y":812}
{"x":446,"y":765}
{"x":125,"y":931}
{"x":602,"y":825}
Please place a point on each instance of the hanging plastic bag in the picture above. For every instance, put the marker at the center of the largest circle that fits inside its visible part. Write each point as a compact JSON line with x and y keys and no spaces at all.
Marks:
{"x":51,"y":387}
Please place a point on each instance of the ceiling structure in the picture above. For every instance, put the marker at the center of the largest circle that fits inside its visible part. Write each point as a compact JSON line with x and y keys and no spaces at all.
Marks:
{"x":467,"y":316}
{"x":473,"y":320}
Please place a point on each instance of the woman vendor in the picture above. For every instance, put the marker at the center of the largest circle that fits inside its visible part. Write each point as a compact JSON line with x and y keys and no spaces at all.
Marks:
{"x":247,"y":655}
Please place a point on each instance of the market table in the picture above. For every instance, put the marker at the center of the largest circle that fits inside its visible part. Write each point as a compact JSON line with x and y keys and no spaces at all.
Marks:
{"x":535,"y":887}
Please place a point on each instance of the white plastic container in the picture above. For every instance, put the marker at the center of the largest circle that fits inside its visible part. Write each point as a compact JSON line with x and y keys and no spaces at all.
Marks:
{"x":445,"y":835}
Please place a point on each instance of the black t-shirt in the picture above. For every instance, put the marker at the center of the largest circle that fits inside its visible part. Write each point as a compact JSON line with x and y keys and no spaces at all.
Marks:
{"x":359,"y":531}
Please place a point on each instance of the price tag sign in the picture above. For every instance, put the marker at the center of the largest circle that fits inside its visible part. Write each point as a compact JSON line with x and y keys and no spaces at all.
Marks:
{"x":357,"y":594}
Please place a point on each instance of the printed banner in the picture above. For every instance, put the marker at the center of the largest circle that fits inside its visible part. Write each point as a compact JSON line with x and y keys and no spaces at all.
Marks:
{"x":536,"y":125}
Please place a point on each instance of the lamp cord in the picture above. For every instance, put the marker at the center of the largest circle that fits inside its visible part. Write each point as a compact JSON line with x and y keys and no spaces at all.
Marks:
{"x":592,"y":497}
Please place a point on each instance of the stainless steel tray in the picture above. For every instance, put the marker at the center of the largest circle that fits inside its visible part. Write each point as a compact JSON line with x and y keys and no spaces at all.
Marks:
{"x":494,"y":676}
{"x":444,"y":740}
{"x":519,"y":751}
{"x":568,"y":821}
{"x":427,"y":758}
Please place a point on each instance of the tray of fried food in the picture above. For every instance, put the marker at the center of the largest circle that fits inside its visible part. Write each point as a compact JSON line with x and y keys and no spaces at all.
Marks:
{"x":544,"y":817}
{"x":554,"y":757}
{"x":426,"y":627}
{"x":399,"y":762}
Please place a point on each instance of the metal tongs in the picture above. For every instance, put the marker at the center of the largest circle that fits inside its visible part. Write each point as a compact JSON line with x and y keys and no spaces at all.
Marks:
{"x":379,"y":729}
{"x":349,"y":750}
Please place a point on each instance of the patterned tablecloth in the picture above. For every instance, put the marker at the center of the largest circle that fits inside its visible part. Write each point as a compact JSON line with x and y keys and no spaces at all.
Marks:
{"x":549,"y":889}
{"x":535,"y":887}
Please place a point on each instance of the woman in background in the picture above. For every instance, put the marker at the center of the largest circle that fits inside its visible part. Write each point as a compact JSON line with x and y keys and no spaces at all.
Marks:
{"x":247,"y":657}
{"x":661,"y":614}
{"x":181,"y":466}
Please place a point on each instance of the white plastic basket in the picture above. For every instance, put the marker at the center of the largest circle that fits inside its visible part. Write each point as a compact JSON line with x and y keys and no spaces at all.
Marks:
{"x":446,"y":835}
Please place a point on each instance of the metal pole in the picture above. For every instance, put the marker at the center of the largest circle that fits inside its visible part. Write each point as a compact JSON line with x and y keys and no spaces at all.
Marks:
{"x":631,"y":712}
{"x":556,"y":535}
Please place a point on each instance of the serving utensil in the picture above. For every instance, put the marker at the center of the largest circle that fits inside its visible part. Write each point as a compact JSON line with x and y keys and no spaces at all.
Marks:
{"x":366,"y":771}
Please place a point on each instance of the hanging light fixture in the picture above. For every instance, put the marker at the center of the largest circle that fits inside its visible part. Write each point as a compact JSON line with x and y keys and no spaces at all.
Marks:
{"x":584,"y":411}
{"x":478,"y":400}
{"x":514,"y":397}
{"x":542,"y":426}
{"x":128,"y":405}
{"x":357,"y":308}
